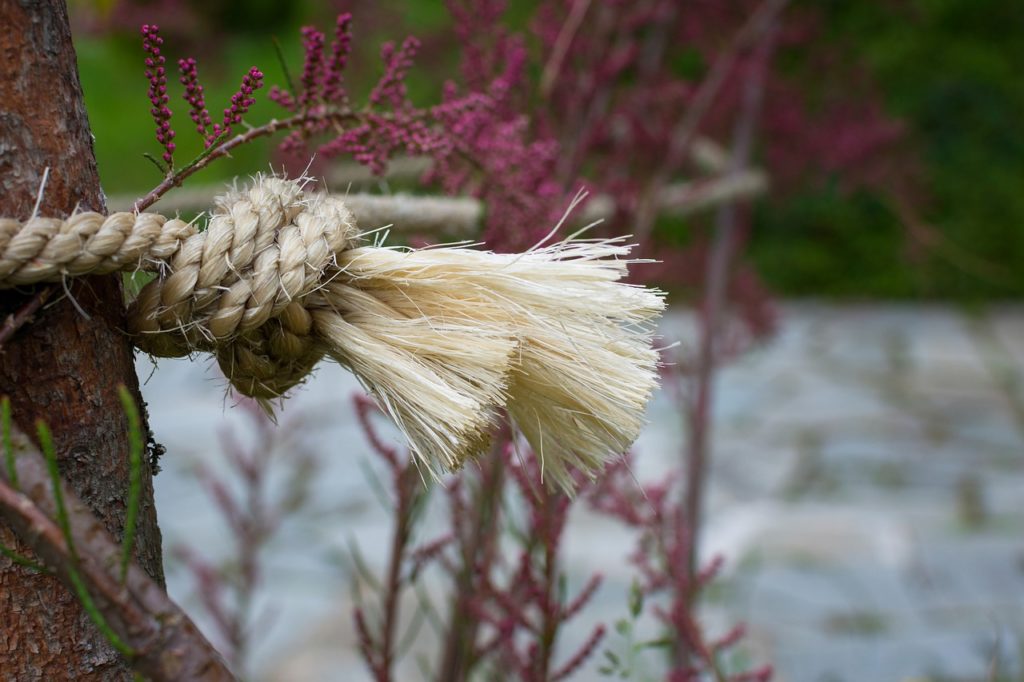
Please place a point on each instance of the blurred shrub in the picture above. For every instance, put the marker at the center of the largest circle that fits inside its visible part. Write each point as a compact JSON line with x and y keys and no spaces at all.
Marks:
{"x":945,"y":67}
{"x":951,"y":70}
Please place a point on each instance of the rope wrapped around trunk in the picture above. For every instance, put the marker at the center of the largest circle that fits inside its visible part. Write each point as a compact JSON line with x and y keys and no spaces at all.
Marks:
{"x":443,"y":338}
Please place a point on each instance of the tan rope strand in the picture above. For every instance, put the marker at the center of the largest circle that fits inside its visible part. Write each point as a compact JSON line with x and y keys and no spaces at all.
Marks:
{"x":47,"y":249}
{"x":445,"y":339}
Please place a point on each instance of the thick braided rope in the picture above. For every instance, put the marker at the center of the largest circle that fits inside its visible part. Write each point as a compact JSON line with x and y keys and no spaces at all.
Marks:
{"x":238,"y":288}
{"x":263,"y":250}
{"x":444,"y":339}
{"x":47,"y":249}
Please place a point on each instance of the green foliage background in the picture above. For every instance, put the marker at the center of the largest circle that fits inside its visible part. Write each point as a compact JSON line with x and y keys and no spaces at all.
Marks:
{"x":950,"y":69}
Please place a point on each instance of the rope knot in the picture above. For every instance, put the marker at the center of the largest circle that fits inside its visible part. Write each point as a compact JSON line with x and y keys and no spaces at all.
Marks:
{"x":448,"y":340}
{"x":237,"y":289}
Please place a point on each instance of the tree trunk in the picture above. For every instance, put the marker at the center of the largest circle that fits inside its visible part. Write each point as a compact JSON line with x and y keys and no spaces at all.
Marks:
{"x":64,"y":366}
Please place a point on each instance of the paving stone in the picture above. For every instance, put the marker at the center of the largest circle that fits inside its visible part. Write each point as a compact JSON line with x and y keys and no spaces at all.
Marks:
{"x":865,"y":490}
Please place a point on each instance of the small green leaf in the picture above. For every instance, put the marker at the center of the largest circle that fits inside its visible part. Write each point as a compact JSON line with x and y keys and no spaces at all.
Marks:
{"x":636,"y":599}
{"x":661,"y":643}
{"x":5,"y":425}
{"x":164,"y":170}
{"x":136,"y":444}
{"x":88,"y":605}
{"x":50,"y":455}
{"x":22,"y":560}
{"x":284,"y":66}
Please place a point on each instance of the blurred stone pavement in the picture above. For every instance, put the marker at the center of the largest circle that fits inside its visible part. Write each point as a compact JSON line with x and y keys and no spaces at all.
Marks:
{"x":866,"y":491}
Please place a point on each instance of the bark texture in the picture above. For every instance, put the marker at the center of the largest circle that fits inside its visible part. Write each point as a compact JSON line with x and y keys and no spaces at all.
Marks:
{"x":63,"y":367}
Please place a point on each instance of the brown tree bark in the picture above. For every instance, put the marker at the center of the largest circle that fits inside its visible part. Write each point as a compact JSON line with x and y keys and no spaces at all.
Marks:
{"x":63,"y":367}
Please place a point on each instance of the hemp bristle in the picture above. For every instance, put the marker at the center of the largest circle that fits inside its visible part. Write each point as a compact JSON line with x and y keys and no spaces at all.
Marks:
{"x":582,"y":370}
{"x":441,"y":383}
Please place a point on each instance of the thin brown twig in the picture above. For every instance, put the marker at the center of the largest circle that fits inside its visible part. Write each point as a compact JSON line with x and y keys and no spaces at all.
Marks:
{"x":947,"y":249}
{"x":551,"y":614}
{"x":407,"y":483}
{"x":572,"y":143}
{"x":561,"y":48}
{"x":166,"y":645}
{"x":715,"y":292}
{"x":686,"y":130}
{"x":460,"y":648}
{"x":652,"y":50}
{"x":20,"y":317}
{"x":344,"y":177}
{"x":225,"y":148}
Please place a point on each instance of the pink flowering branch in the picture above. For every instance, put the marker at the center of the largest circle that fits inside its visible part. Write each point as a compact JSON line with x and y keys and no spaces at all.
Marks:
{"x":341,"y":48}
{"x":508,"y":611}
{"x":475,"y":518}
{"x":372,"y":134}
{"x":717,"y":278}
{"x":379,"y":644}
{"x":253,"y":513}
{"x":240,"y":102}
{"x":503,"y":612}
{"x":158,"y":97}
{"x":661,"y":556}
{"x":312,"y":71}
{"x":391,"y":89}
{"x":198,"y":112}
{"x":156,"y":74}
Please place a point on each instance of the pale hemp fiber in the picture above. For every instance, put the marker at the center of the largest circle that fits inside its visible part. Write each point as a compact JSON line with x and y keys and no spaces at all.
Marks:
{"x":443,"y":338}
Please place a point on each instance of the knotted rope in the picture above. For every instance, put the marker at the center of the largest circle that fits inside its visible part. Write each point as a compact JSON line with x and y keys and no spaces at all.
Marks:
{"x":443,"y":338}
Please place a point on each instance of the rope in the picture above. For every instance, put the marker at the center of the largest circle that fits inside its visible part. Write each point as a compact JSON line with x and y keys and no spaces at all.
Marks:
{"x":445,"y":339}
